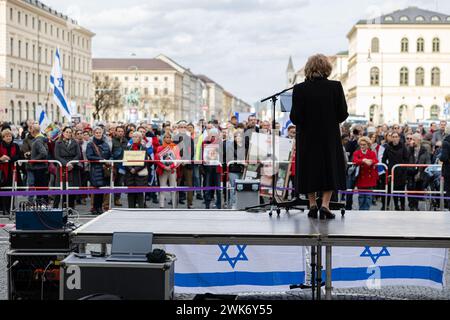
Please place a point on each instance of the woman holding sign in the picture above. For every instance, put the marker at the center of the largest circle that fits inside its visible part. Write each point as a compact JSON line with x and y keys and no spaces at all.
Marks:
{"x":166,"y":170}
{"x":136,"y":175}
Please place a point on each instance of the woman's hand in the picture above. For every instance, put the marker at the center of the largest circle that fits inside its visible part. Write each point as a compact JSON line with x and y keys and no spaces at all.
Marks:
{"x":167,"y":168}
{"x":5,"y":158}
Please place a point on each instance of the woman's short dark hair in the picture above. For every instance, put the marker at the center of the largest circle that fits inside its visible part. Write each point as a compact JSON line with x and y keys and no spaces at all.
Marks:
{"x":318,"y":66}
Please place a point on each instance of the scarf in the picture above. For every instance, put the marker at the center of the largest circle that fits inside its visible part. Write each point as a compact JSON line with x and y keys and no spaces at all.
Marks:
{"x":170,"y":145}
{"x":136,"y":146}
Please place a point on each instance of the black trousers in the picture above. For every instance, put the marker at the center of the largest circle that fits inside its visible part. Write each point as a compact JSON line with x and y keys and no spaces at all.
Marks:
{"x":41,"y":180}
{"x":135,"y":200}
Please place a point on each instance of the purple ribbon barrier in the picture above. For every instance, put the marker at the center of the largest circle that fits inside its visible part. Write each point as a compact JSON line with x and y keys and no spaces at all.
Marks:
{"x":27,"y":193}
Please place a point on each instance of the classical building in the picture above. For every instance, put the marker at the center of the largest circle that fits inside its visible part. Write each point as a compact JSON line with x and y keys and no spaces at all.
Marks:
{"x":157,"y":86}
{"x":397,"y":68}
{"x":30,"y":32}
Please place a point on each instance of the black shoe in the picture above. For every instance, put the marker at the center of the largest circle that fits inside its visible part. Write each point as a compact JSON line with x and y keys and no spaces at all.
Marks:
{"x":326,"y":214}
{"x":199,"y":197}
{"x":155,"y":200}
{"x":181,"y":202}
{"x":313,"y":212}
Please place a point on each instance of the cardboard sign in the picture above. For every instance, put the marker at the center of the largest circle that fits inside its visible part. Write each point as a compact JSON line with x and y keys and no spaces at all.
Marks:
{"x":129,"y":155}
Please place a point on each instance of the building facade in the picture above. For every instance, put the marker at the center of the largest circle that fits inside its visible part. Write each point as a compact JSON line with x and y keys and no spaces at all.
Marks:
{"x":156,"y":85}
{"x":30,"y":32}
{"x":397,"y":68}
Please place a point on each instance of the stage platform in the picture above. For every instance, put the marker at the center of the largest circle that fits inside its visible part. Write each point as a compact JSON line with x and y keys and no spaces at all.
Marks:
{"x":382,"y":228}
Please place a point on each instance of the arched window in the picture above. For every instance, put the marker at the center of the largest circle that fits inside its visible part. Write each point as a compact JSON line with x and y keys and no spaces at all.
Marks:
{"x":375,"y":45}
{"x":27,"y":111}
{"x":420,"y":45}
{"x":420,"y":77}
{"x":374,"y":76}
{"x":436,"y":45}
{"x":404,"y":76}
{"x":435,"y":77}
{"x":19,"y":109}
{"x":402,"y":112}
{"x":405,"y":45}
{"x":434,"y":112}
{"x":11,"y":105}
{"x":419,"y":113}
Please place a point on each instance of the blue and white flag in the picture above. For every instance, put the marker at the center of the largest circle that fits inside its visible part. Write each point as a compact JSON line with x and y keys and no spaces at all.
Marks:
{"x":42,"y":118}
{"x":223,"y":269}
{"x":375,"y":267}
{"x":57,"y":84}
{"x":243,"y":116}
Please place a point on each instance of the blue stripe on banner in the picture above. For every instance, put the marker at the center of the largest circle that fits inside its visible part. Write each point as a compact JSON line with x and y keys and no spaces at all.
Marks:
{"x":61,"y":99}
{"x":388,"y":272}
{"x":222,"y":279}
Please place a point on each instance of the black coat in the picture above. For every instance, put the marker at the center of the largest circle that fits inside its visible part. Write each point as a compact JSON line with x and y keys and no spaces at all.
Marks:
{"x":394,"y":155}
{"x":318,"y":107}
{"x":416,"y":173}
{"x":445,"y":158}
{"x":97,"y":176}
{"x":65,"y":154}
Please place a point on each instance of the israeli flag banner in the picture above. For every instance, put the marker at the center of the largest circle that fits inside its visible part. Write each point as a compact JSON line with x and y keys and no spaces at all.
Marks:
{"x":57,"y":84}
{"x":374,"y":267}
{"x":221,"y":269}
{"x":42,"y":118}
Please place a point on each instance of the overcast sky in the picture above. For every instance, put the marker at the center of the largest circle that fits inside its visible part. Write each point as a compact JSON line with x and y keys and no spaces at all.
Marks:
{"x":244,"y":45}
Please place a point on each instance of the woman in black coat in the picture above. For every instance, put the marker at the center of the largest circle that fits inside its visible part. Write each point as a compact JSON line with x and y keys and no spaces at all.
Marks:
{"x":396,"y":153}
{"x":67,"y":150}
{"x":97,"y":150}
{"x":318,"y":107}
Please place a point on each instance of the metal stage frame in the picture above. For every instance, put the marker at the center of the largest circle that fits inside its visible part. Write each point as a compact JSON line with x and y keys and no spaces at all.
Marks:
{"x":203,"y":227}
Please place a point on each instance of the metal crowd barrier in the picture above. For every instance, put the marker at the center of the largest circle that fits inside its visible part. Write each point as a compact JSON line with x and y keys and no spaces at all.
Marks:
{"x":424,"y":192}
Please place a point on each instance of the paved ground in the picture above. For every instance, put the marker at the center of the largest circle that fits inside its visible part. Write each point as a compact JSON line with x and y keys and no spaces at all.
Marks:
{"x":407,"y":292}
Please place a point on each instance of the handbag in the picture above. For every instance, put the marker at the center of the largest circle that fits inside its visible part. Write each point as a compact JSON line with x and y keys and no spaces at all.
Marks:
{"x":143,"y":173}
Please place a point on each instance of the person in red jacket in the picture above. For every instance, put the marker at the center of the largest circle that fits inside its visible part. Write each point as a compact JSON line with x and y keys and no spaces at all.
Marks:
{"x":367,"y":179}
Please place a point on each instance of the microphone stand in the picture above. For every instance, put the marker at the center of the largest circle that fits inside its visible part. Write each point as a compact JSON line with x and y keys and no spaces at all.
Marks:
{"x":295,"y":203}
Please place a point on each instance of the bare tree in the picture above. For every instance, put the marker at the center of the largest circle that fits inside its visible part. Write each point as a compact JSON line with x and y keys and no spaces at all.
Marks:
{"x":107,"y":95}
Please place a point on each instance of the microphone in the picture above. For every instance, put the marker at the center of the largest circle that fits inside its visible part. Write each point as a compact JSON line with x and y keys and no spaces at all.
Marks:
{"x":15,"y":263}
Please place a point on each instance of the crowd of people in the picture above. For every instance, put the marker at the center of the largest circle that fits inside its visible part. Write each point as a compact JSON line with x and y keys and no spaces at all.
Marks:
{"x":174,"y":154}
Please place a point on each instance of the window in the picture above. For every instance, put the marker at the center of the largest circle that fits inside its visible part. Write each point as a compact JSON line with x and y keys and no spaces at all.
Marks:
{"x":375,"y":48}
{"x":26,"y":50}
{"x":32,"y":23}
{"x":372,"y":112}
{"x":18,"y":17}
{"x":166,"y":78}
{"x":11,"y":14}
{"x":146,"y":78}
{"x":420,"y":77}
{"x":402,"y":112}
{"x":404,"y":76}
{"x":388,"y":18}
{"x":375,"y":76}
{"x":19,"y":79}
{"x":405,"y":45}
{"x":435,"y":77}
{"x":436,"y":45}
{"x":156,"y":91}
{"x":419,"y":113}
{"x":26,"y":80}
{"x":435,"y":19}
{"x":146,"y":91}
{"x":34,"y":52}
{"x":11,"y":45}
{"x":156,"y":78}
{"x":19,"y":51}
{"x":33,"y":82}
{"x":46,"y":56}
{"x":434,"y":112}
{"x":420,"y":45}
{"x":11,"y":77}
{"x":126,"y":90}
{"x":420,"y":19}
{"x":39,"y":83}
{"x":404,"y":19}
{"x":26,"y":20}
{"x":45,"y":28}
{"x":126,"y":78}
{"x":166,"y":91}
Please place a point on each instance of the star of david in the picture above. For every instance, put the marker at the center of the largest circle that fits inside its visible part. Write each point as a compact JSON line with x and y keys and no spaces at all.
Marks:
{"x":61,"y":82}
{"x":232,"y":261}
{"x":368,"y":253}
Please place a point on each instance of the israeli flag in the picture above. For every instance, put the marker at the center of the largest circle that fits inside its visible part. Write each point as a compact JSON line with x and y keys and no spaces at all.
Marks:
{"x":42,"y":118}
{"x":375,"y":267}
{"x":221,"y":269}
{"x":57,"y":84}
